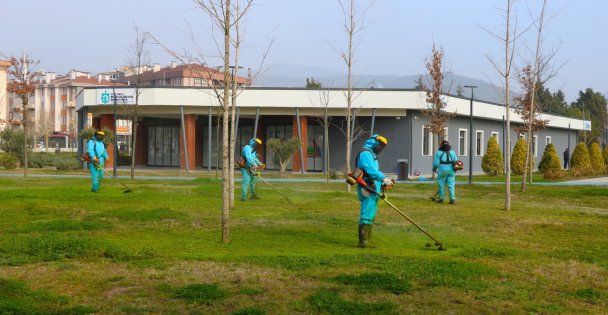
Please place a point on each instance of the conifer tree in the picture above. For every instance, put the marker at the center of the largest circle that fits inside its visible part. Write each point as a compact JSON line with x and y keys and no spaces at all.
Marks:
{"x":492,"y":160}
{"x":580,"y":163}
{"x":518,"y":158}
{"x":597,"y":160}
{"x":550,"y":160}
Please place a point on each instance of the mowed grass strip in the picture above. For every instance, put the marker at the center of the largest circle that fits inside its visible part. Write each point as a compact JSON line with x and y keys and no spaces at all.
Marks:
{"x":159,"y":250}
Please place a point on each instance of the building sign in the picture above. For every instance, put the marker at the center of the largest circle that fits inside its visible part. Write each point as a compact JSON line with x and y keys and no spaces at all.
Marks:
{"x":123,"y":96}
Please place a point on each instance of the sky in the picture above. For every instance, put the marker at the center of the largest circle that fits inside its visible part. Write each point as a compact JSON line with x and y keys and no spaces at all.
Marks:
{"x":397,"y":36}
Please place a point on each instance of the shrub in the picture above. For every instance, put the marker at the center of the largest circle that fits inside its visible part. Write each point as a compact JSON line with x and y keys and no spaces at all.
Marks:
{"x":550,"y":160}
{"x":12,"y":141}
{"x":9,"y":161}
{"x":492,"y":163}
{"x":68,"y":164}
{"x":597,"y":160}
{"x":580,"y":164}
{"x":518,"y":158}
{"x":283,"y":151}
{"x":553,"y":174}
{"x":40,"y":159}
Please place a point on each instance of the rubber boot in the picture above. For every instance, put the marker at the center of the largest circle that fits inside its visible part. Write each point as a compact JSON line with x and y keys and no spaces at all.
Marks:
{"x":368,"y":233}
{"x":364,"y":233}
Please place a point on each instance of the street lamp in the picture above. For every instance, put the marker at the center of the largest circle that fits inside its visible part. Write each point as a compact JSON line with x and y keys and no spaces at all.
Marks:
{"x":115,"y":148}
{"x":471,"y":134}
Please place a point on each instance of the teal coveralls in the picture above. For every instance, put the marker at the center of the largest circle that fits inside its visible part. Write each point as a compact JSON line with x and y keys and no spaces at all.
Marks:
{"x":367,"y":161}
{"x":444,"y":165}
{"x":251,"y":159}
{"x":96,"y":148}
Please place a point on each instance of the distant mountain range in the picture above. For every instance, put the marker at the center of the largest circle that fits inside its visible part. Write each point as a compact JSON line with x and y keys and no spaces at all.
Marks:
{"x":290,"y":75}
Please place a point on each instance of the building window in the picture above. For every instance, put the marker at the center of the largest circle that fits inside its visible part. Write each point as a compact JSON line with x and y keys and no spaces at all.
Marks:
{"x":462,"y":142}
{"x":479,"y":143}
{"x":198,"y":82}
{"x":177,"y":81}
{"x":495,"y":135}
{"x":547,"y":140}
{"x":427,"y":141}
{"x":64,"y":105}
{"x":52,"y":105}
{"x":534,"y":146}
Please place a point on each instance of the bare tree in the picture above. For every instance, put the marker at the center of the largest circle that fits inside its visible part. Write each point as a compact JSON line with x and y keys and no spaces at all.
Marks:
{"x":44,"y":126}
{"x":533,"y":75}
{"x":22,"y":82}
{"x":324,"y":120}
{"x":225,"y":18}
{"x":139,"y":58}
{"x":437,"y":117}
{"x":507,"y":41}
{"x":353,"y":25}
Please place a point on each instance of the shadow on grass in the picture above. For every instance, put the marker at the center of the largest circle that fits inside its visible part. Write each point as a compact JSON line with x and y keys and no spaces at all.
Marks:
{"x":330,"y":302}
{"x":373,"y":281}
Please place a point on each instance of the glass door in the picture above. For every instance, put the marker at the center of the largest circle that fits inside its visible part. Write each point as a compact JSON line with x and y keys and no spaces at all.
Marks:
{"x":163,"y":146}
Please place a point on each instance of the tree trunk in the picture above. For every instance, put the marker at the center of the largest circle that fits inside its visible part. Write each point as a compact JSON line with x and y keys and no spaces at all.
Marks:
{"x":133,"y":146}
{"x":225,"y":131}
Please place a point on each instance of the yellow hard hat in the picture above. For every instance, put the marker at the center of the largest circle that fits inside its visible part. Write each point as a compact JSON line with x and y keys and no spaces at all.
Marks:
{"x":258,"y":141}
{"x":382,"y":139}
{"x":101,"y":133}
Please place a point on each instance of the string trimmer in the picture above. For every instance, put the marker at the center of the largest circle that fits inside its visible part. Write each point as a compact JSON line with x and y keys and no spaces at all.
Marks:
{"x":351,"y":180}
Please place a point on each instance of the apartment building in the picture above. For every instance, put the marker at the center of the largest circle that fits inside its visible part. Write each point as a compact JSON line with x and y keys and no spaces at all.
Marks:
{"x":4,"y":110}
{"x":186,"y":75}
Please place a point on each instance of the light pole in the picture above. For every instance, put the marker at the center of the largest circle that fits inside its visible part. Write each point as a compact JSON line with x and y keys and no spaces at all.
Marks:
{"x":115,"y":148}
{"x":472,"y":87}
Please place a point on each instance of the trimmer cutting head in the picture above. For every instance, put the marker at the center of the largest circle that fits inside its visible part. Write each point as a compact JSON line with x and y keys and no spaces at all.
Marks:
{"x":440,"y":246}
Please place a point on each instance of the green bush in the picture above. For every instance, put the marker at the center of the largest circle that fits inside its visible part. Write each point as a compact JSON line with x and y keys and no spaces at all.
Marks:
{"x":492,"y":163}
{"x":12,"y":141}
{"x":550,"y":160}
{"x":597,"y":160}
{"x":9,"y":161}
{"x":518,"y":158}
{"x":580,"y":163}
{"x":68,"y":164}
{"x":283,"y":151}
{"x":40,"y":159}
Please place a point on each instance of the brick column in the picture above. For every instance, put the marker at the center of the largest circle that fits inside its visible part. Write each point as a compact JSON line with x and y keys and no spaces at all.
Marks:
{"x":304,"y":139}
{"x":107,"y":121}
{"x":190,"y":124}
{"x":141,"y":146}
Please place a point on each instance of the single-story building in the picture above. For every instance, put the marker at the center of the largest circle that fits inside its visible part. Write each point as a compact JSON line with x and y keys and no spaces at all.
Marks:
{"x":298,"y":112}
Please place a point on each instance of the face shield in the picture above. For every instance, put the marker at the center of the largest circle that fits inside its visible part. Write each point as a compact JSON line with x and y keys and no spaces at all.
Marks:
{"x":382,"y":142}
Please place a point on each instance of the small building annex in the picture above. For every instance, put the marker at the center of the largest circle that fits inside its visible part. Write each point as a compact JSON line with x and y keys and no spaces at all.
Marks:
{"x":298,"y":112}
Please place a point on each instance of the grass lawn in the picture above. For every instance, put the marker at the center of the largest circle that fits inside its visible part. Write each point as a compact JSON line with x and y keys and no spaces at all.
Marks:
{"x":65,"y":250}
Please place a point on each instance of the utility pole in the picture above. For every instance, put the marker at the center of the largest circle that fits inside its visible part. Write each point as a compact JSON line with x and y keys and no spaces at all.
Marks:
{"x":472,"y":87}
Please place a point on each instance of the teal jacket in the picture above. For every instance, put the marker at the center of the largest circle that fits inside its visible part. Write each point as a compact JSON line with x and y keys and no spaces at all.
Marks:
{"x":96,"y":148}
{"x":368,"y":162}
{"x":445,"y":157}
{"x":250,"y":156}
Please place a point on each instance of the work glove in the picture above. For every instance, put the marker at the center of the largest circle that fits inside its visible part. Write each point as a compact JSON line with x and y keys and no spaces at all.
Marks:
{"x":387,"y":183}
{"x":96,"y":160}
{"x":262,"y":166}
